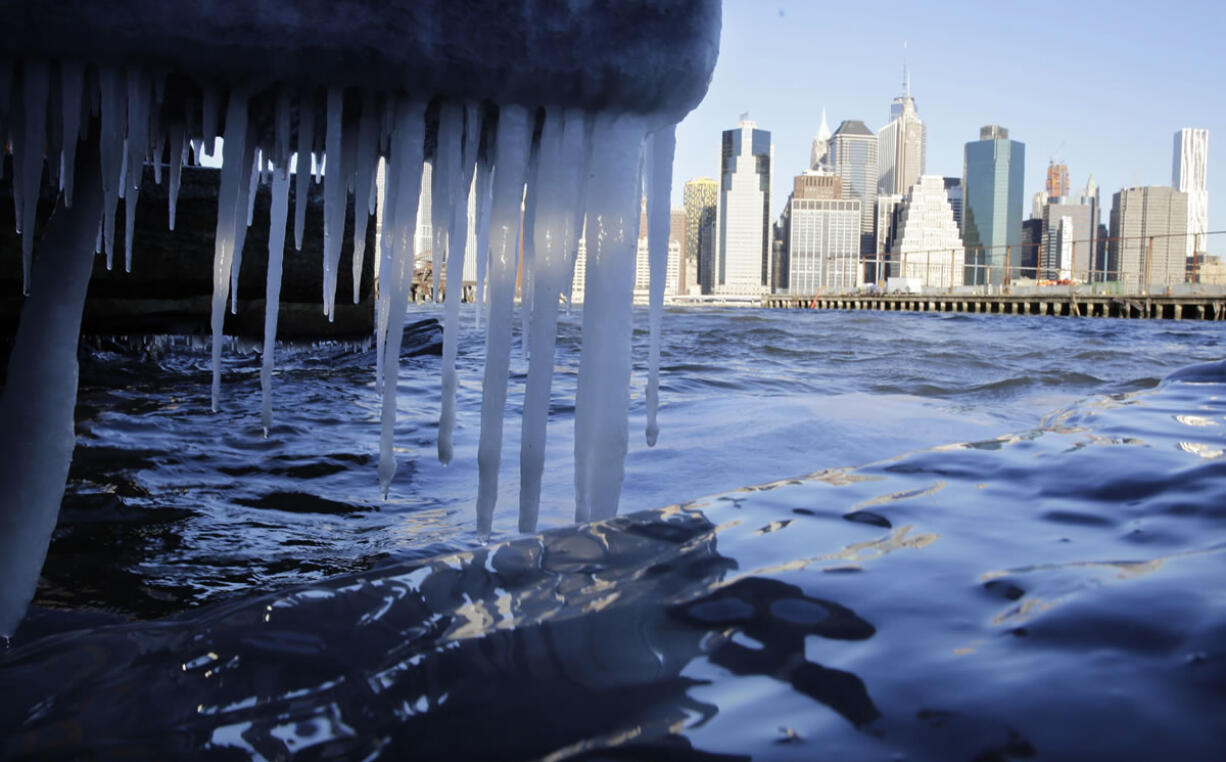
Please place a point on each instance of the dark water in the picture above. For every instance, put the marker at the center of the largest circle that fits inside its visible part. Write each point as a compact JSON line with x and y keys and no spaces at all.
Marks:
{"x":861,"y":536}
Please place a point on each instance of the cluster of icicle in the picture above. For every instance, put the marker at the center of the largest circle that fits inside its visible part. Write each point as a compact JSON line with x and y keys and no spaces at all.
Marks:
{"x":560,"y":172}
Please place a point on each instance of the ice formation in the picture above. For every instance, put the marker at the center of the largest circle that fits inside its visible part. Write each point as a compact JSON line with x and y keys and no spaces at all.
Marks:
{"x":543,"y":112}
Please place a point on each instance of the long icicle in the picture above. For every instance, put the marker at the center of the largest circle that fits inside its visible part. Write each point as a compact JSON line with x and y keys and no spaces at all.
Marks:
{"x":603,"y":395}
{"x":511,"y":157}
{"x":72,"y":84}
{"x":232,"y":176}
{"x":385,"y":249}
{"x":367,"y":157}
{"x":138,"y":139}
{"x":660,"y":148}
{"x":443,"y":178}
{"x":242,"y":219}
{"x":302,"y":178}
{"x":528,"y":256}
{"x":467,"y":121}
{"x":176,"y":170}
{"x":484,"y":190}
{"x":6,"y":97}
{"x":35,"y":89}
{"x":559,"y":161}
{"x":40,"y":394}
{"x":276,"y":250}
{"x":407,"y":144}
{"x":114,"y":125}
{"x":336,"y":184}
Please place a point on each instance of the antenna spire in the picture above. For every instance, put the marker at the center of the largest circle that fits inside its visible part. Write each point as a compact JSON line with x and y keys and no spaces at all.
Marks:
{"x":906,"y":76}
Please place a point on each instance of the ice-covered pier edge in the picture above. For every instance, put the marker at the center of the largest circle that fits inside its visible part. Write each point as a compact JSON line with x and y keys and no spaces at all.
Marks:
{"x":549,"y":105}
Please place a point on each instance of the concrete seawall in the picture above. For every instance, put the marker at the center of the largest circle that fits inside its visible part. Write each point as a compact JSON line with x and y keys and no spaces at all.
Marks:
{"x":171,"y":284}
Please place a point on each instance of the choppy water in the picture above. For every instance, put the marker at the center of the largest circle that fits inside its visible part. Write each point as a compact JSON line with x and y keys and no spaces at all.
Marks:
{"x":861,"y":536}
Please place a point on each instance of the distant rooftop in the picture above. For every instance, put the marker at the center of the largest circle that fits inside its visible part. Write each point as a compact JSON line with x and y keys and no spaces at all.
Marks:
{"x":854,"y":127}
{"x":993,"y":132}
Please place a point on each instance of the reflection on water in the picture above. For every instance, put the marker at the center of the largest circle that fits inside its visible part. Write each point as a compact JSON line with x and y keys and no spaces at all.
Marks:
{"x":1054,"y":593}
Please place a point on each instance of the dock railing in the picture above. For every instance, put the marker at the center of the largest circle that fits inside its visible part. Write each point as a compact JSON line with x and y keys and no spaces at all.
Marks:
{"x":1121,"y":266}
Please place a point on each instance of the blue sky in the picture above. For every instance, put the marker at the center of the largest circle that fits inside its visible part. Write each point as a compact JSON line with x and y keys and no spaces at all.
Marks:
{"x":1104,"y":84}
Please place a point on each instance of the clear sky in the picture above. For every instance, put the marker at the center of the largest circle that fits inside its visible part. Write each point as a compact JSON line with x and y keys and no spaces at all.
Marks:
{"x":1102,"y":85}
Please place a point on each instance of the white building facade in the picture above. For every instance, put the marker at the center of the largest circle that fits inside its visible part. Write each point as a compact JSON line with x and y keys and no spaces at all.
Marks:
{"x":1189,"y":174}
{"x":823,"y":245}
{"x":927,"y":247}
{"x":742,"y":224}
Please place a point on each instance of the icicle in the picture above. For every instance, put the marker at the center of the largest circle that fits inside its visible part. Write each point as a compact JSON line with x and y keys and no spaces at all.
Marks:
{"x":660,"y":150}
{"x":511,"y":157}
{"x":72,"y":82}
{"x":114,"y":125}
{"x":467,"y":122}
{"x":306,"y":139}
{"x":40,"y":394}
{"x":558,"y":163}
{"x":35,"y":85}
{"x":232,"y":177}
{"x":485,"y":182}
{"x":366,"y":155}
{"x":385,"y":247}
{"x":281,"y":133}
{"x":138,"y":139}
{"x":443,"y":178}
{"x":176,"y":169}
{"x":53,"y":138}
{"x":246,"y":192}
{"x":579,"y":212}
{"x":254,"y":185}
{"x":157,"y":142}
{"x":528,"y":254}
{"x":17,"y":141}
{"x":123,"y":165}
{"x":335,"y":185}
{"x":210,"y":108}
{"x":603,"y":395}
{"x":6,"y":100}
{"x":405,"y":172}
{"x":276,"y":250}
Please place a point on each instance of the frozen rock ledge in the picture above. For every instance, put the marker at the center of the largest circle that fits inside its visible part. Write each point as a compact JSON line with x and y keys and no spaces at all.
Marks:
{"x":550,"y":114}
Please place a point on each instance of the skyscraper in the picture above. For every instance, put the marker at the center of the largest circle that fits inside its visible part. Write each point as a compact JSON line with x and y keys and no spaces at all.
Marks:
{"x":1069,"y":228}
{"x":992,"y":183}
{"x":1148,"y":227}
{"x":819,"y":154}
{"x":853,"y":150}
{"x":743,"y":265}
{"x":701,"y":196}
{"x":901,"y":145}
{"x":926,"y":245}
{"x":953,"y":190}
{"x":1189,"y":174}
{"x":1057,"y":180}
{"x":821,"y":236}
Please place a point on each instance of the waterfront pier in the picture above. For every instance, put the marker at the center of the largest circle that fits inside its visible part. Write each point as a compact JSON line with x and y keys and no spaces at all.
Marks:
{"x":1153,"y":306}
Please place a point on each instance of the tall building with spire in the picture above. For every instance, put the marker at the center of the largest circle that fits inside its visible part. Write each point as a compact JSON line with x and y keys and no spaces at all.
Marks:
{"x":853,"y":151}
{"x":1189,"y":174}
{"x":901,"y":145}
{"x":819,"y":154}
{"x":742,"y":226}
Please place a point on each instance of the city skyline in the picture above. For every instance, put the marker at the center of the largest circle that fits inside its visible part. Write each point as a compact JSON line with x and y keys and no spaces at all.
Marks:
{"x":766,"y":68}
